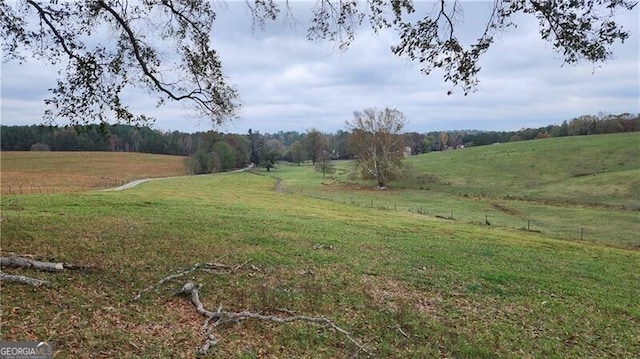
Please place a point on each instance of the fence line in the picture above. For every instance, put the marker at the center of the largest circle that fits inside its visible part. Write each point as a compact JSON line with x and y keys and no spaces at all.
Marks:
{"x":39,"y":188}
{"x":528,"y":225}
{"x":579,"y":234}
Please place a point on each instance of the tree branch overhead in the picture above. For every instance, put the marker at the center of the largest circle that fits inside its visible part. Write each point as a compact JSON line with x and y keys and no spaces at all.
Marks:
{"x":164,"y":46}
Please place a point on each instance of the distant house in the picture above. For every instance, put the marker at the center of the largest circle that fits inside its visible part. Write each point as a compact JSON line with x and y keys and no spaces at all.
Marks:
{"x":407,"y":151}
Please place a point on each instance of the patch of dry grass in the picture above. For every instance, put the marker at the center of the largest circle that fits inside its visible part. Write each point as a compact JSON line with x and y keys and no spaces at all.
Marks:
{"x":47,"y":172}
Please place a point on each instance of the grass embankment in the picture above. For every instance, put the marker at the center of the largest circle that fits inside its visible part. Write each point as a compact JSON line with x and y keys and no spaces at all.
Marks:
{"x":49,"y":172}
{"x":407,"y":284}
{"x":567,"y":188}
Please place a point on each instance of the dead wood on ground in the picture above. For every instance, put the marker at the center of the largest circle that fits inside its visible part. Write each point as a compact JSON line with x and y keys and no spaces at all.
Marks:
{"x":25,"y":262}
{"x":220,"y":317}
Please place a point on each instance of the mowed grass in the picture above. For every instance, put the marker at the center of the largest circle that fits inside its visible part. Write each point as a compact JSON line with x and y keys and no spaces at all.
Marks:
{"x":408,"y":285}
{"x":49,"y":172}
{"x":574,"y":188}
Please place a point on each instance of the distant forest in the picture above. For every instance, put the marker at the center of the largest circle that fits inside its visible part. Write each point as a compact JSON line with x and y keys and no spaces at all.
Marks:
{"x":219,"y":151}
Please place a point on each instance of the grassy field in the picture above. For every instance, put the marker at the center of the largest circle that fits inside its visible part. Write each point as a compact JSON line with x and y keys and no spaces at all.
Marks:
{"x":406,"y":284}
{"x":593,"y":196}
{"x":602,"y":170}
{"x":49,"y":172}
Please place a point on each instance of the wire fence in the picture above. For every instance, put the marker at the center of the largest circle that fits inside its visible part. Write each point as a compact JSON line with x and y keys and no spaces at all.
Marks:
{"x":625,"y":237}
{"x":18,"y":188}
{"x":568,"y":231}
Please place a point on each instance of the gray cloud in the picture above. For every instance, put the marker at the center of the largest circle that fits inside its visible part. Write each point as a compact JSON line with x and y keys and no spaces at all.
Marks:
{"x":289,"y":83}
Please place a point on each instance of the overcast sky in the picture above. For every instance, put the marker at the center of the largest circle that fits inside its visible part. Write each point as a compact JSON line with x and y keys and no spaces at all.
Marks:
{"x":288,"y":83}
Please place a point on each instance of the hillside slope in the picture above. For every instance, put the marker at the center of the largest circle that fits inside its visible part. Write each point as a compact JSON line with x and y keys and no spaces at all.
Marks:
{"x":406,"y":285}
{"x":571,"y":188}
{"x":584,"y":170}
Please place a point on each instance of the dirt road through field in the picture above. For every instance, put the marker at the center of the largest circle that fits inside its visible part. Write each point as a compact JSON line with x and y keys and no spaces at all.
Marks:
{"x":137,"y":182}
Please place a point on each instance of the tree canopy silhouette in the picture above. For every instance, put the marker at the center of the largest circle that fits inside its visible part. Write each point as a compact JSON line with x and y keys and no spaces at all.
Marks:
{"x":164,"y":46}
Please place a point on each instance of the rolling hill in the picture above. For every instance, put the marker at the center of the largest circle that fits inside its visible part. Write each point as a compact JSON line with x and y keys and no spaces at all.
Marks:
{"x":584,"y":170}
{"x":403,"y":282}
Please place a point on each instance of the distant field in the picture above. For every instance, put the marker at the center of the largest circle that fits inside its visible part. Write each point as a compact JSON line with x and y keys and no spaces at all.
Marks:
{"x":47,"y":172}
{"x":601,"y":170}
{"x":574,"y":188}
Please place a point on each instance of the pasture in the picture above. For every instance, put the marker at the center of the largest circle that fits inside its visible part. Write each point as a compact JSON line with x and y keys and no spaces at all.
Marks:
{"x":574,"y":188}
{"x":406,"y":284}
{"x":51,"y":172}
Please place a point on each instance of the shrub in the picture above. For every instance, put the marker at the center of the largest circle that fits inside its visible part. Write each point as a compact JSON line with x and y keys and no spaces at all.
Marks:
{"x":40,"y":147}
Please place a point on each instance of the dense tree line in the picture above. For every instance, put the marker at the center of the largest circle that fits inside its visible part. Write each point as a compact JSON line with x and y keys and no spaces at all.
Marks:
{"x":579,"y":126}
{"x":213,"y":151}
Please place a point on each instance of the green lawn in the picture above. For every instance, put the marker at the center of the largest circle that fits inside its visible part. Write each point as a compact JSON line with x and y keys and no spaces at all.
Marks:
{"x":593,"y":195}
{"x":408,"y":285}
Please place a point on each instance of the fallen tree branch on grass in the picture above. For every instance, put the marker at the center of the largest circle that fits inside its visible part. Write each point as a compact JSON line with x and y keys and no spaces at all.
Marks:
{"x":208,"y":343}
{"x":221,"y":317}
{"x":24,"y":262}
{"x":205,"y":267}
{"x":166,"y":279}
{"x":35,"y":282}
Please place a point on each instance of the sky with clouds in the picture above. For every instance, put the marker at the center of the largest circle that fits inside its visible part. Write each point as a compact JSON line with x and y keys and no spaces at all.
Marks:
{"x":291,"y":84}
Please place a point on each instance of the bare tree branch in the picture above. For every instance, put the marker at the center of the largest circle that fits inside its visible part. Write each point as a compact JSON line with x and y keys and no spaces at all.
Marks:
{"x":207,"y":267}
{"x":23,"y":280}
{"x":166,"y":279}
{"x":94,"y":78}
{"x":22,"y":262}
{"x":221,"y":317}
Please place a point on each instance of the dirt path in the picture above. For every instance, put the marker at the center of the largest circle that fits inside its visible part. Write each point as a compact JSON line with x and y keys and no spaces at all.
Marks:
{"x":137,"y":182}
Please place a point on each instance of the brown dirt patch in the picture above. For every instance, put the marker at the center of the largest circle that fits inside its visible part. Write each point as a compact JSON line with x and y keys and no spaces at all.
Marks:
{"x":393,"y":295}
{"x":507,"y":210}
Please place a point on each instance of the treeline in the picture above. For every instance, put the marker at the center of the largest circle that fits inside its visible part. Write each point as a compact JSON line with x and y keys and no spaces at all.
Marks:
{"x":579,"y":126}
{"x":207,"y":152}
{"x":213,"y":151}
